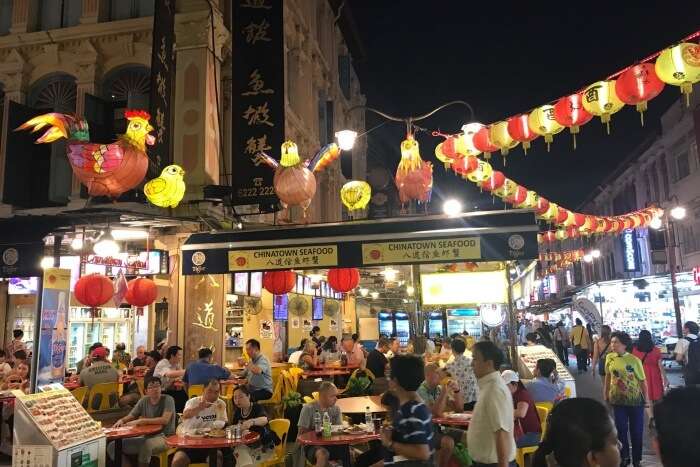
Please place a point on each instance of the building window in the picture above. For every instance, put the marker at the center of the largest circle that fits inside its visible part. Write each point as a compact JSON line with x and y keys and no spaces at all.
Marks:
{"x":344,"y":74}
{"x":690,"y":244}
{"x":682,"y":165}
{"x":56,"y":14}
{"x":664,"y":179}
{"x":655,"y":180}
{"x":5,"y":16}
{"x":127,"y":9}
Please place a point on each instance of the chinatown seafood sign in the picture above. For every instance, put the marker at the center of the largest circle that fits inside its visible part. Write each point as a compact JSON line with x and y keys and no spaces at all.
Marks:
{"x":132,"y":262}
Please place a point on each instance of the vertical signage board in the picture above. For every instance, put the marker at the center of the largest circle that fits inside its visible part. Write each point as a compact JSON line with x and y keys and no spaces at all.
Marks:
{"x":54,"y":326}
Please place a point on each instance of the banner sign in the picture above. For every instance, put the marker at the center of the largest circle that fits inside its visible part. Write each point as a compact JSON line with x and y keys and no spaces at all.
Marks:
{"x":54,"y":326}
{"x":283,"y":258}
{"x":162,"y":82}
{"x":630,"y":251}
{"x":421,"y":251}
{"x":257,"y":97}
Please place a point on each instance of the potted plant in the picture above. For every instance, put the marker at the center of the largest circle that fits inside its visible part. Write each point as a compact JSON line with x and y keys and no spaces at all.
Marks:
{"x":292,"y":404}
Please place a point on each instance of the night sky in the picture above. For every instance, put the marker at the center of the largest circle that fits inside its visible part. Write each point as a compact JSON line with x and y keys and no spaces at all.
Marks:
{"x":506,"y":58}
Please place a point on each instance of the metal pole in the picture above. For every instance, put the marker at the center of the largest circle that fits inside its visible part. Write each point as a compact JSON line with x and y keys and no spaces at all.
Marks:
{"x":511,"y":320}
{"x":671,"y":253}
{"x":37,"y":336}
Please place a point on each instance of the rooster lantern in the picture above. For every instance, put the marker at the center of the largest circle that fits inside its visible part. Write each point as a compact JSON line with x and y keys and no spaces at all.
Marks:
{"x":294,"y":181}
{"x":105,"y":169}
{"x":414,"y":176}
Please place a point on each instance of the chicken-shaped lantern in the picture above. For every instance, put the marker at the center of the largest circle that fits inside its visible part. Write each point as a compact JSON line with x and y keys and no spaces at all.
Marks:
{"x":105,"y":169}
{"x":294,"y":181}
{"x":167,"y":190}
{"x":414,"y":176}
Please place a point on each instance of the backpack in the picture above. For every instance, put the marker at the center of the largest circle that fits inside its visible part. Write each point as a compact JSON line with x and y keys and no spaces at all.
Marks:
{"x":693,"y":364}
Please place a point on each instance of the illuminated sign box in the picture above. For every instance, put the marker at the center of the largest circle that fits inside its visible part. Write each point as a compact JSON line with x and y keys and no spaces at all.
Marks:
{"x":467,"y":287}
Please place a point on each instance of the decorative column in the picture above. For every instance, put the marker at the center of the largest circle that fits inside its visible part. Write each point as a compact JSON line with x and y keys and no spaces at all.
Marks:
{"x":94,"y":11}
{"x":25,"y":16}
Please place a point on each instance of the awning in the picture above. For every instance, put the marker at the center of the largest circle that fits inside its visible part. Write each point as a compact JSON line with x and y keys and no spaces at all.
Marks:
{"x":477,"y":236}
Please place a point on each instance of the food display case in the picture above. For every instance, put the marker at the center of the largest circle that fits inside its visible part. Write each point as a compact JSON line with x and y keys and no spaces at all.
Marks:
{"x":528,"y":361}
{"x":436,"y":324}
{"x":464,"y":319}
{"x":54,"y":418}
{"x":113,"y":326}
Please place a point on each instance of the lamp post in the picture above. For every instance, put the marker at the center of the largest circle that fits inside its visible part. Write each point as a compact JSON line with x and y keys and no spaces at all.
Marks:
{"x":589,"y":258}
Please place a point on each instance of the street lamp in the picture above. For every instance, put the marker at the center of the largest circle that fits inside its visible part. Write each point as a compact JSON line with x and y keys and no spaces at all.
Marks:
{"x":588,"y":258}
{"x":678,"y":213}
{"x":595,"y":254}
{"x":452,"y":207}
{"x":346,"y":139}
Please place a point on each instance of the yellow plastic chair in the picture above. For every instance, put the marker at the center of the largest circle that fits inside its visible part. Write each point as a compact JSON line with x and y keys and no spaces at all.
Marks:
{"x":281,"y":427}
{"x":543,"y":413}
{"x":80,"y":393}
{"x":545,"y":405}
{"x":109,"y":396}
{"x":567,"y":391}
{"x":195,"y":390}
{"x":276,"y":397}
{"x":140,"y":385}
{"x":163,"y":457}
{"x":308,"y":400}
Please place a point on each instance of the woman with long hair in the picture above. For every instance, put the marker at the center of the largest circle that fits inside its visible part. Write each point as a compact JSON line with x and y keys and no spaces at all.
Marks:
{"x":308,"y":359}
{"x":650,"y":355}
{"x":601,"y":349}
{"x":579,"y":433}
{"x":329,"y":352}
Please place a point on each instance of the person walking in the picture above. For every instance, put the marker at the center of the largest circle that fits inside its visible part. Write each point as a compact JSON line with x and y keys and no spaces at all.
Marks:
{"x":687,"y":353}
{"x":626,"y":391}
{"x":582,"y":344}
{"x":601,"y":349}
{"x":650,"y":355}
{"x":562,"y":342}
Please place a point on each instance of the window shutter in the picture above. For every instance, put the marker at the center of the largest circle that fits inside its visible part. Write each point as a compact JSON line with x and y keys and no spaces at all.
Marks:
{"x":344,"y":75}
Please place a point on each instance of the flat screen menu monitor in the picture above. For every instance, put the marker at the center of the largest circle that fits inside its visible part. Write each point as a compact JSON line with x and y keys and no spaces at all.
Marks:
{"x":280,"y":310}
{"x":240,"y":283}
{"x":256,"y":284}
{"x":22,"y":286}
{"x":317,"y":308}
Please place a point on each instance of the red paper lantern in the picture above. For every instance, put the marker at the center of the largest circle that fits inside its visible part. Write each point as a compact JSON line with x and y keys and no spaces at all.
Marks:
{"x":495,"y":181}
{"x":465,"y":165}
{"x":141,"y":292}
{"x":572,"y":232}
{"x":637,"y":85}
{"x":94,"y":290}
{"x":482,"y":142}
{"x":449,"y":148}
{"x":519,"y":130}
{"x":562,"y":215}
{"x":542,"y":206}
{"x":550,"y":236}
{"x":343,"y":279}
{"x":518,"y":197}
{"x":579,"y":219}
{"x":279,"y":282}
{"x":569,"y":111}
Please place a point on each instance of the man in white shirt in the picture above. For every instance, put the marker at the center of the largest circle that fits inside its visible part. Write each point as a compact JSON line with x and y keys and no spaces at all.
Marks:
{"x":200,"y":412}
{"x":169,"y":370}
{"x":490,"y":435}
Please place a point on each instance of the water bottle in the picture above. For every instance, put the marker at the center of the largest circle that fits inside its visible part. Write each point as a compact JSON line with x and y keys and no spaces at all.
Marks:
{"x":326,"y":425}
{"x":237,"y":431}
{"x":318,"y":428}
{"x":368,"y":419}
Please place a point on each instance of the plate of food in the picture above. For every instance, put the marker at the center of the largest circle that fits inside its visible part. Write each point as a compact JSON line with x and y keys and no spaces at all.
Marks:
{"x":355,"y":430}
{"x":216,"y":433}
{"x":460,"y":416}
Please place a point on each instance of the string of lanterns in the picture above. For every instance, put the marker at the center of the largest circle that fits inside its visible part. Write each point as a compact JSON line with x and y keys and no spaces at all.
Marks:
{"x":677,"y":65}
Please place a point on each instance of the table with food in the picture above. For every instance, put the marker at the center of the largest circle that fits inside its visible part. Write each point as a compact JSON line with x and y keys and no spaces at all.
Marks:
{"x":212,"y":439}
{"x":127,"y":431}
{"x":342,"y":435}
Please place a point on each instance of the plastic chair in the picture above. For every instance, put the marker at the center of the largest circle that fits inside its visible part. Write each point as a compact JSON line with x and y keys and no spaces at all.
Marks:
{"x":195,"y":390}
{"x":545,"y":405}
{"x":80,"y":393}
{"x":163,"y":457}
{"x":108,"y":396}
{"x":276,"y":397}
{"x":567,"y":391}
{"x":140,"y":385}
{"x":281,"y":427}
{"x":543,"y":413}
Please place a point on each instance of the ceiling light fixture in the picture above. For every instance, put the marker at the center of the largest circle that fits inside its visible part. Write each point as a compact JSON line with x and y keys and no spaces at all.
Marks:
{"x":129,"y":234}
{"x":363,"y":291}
{"x":410,"y":290}
{"x":375,"y":295}
{"x":46,"y":262}
{"x":77,"y":243}
{"x":390,"y":274}
{"x":106,"y":247}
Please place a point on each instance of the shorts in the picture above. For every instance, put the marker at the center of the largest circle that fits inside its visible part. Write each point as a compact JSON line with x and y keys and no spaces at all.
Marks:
{"x":334,"y":452}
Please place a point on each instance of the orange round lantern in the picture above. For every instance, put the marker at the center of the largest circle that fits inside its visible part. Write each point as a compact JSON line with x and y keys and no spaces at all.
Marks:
{"x":519,"y":130}
{"x":637,"y":85}
{"x":449,"y":148}
{"x":482,"y":142}
{"x":141,"y":292}
{"x":279,"y":282}
{"x":94,"y":290}
{"x":542,"y":206}
{"x":562,"y":215}
{"x":343,"y":279}
{"x":569,"y":111}
{"x":465,"y":165}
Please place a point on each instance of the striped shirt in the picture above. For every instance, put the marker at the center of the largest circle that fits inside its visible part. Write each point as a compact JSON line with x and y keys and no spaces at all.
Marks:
{"x":412,"y":425}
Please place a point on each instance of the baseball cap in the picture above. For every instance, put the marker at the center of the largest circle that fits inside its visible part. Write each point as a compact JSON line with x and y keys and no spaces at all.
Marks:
{"x":99,"y":352}
{"x":509,"y":376}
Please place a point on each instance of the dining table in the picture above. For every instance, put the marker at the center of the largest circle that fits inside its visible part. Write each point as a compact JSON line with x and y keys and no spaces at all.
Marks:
{"x":325,"y":372}
{"x":310,"y":438}
{"x":457,"y":420}
{"x":127,"y":431}
{"x":211,"y":444}
{"x":359,"y":404}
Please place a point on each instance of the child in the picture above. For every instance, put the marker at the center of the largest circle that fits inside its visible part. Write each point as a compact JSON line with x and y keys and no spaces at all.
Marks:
{"x":5,"y":367}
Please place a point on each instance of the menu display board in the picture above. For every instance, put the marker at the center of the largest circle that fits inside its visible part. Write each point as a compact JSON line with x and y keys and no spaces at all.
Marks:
{"x":59,"y":416}
{"x":256,"y":284}
{"x":240,"y":283}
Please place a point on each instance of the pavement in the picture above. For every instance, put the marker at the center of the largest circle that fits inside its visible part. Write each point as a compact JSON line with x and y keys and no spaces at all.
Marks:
{"x":591,"y":385}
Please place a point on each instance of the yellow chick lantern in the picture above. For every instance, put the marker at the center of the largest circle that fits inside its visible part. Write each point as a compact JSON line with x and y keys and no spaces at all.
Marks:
{"x":167,"y":190}
{"x":355,"y":195}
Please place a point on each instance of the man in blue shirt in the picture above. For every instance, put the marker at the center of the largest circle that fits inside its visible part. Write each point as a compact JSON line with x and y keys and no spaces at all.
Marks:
{"x":258,"y":372}
{"x":203,"y":370}
{"x":543,"y":388}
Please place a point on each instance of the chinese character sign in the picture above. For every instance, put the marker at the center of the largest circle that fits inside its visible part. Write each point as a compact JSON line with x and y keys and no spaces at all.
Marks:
{"x":162,"y":79}
{"x":257,"y":96}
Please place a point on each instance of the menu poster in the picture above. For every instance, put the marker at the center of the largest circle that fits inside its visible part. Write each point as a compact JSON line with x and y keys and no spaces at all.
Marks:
{"x":32,"y":455}
{"x":54,"y":325}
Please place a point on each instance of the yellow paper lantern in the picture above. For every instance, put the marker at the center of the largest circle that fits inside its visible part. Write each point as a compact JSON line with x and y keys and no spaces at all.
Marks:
{"x":561,"y":234}
{"x":464,"y":144}
{"x":542,"y":122}
{"x":599,"y":99}
{"x":482,"y":172}
{"x":290,"y":154}
{"x":447,"y":162}
{"x":167,"y":190}
{"x":355,"y":195}
{"x":680,"y":66}
{"x":507,"y":189}
{"x":530,"y":200}
{"x":551,"y":213}
{"x":498,"y":133}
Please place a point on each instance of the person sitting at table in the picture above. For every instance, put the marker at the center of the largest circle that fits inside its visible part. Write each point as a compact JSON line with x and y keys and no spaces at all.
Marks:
{"x":86,"y":361}
{"x":16,"y":343}
{"x":445,"y":353}
{"x":410,"y":439}
{"x":531,"y":339}
{"x":544,"y":388}
{"x":294,"y":357}
{"x":203,"y":370}
{"x":438,"y":399}
{"x":316,"y":337}
{"x":329,"y":352}
{"x":132,"y":394}
{"x":5,"y":368}
{"x":140,"y":359}
{"x":252,"y":417}
{"x":169,"y":370}
{"x":20,"y":356}
{"x":461,"y":370}
{"x":353,"y":351}
{"x":155,"y":408}
{"x":524,"y":410}
{"x":377,"y":360}
{"x":18,"y":378}
{"x":99,"y":371}
{"x":201,"y":412}
{"x":308,"y":360}
{"x":356,"y":341}
{"x":121,"y":359}
{"x":258,"y":372}
{"x":327,"y":396}
{"x":394,"y":347}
